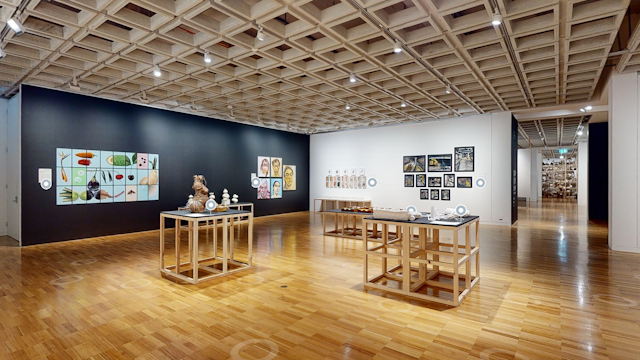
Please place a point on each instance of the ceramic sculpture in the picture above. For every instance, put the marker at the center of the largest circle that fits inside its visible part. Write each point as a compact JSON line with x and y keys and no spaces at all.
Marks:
{"x":196,"y":204}
{"x":235,"y":198}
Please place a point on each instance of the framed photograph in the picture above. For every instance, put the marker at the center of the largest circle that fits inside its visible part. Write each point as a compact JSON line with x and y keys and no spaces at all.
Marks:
{"x":264,"y":166}
{"x":465,"y":182}
{"x":276,"y":188}
{"x":290,"y":178}
{"x":435,"y":194}
{"x":464,"y":159}
{"x":449,"y":180}
{"x":424,"y":194}
{"x":276,"y":167}
{"x":421,"y":180}
{"x":435,"y":181}
{"x":264,"y":192}
{"x":440,"y":163}
{"x":413,"y":163}
{"x":445,"y":194}
{"x":408,"y":181}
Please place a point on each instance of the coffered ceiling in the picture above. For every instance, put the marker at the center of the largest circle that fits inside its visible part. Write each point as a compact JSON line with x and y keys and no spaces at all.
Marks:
{"x":545,"y":52}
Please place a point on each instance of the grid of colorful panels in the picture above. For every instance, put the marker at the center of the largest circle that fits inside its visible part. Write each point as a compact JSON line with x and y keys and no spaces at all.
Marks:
{"x":95,"y":176}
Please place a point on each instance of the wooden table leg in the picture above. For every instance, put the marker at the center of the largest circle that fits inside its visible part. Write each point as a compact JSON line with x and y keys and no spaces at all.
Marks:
{"x":178,"y":247}
{"x":195,"y":264}
{"x":406,"y":264}
{"x":161,"y":242}
{"x":467,"y":265}
{"x":215,"y":237}
{"x":231,"y":239}
{"x":385,"y":241}
{"x":324,"y":223}
{"x":436,"y":241}
{"x":422,"y":273}
{"x":190,"y":243}
{"x":225,"y":240}
{"x":478,"y":251}
{"x":456,"y":270}
{"x":365,"y":239}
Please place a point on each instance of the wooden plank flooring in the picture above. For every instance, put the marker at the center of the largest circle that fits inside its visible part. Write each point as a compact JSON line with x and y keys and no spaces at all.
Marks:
{"x":549,"y":289}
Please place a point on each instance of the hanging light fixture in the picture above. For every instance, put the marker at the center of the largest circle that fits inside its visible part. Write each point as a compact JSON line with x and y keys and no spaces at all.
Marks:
{"x":156,"y":71}
{"x":207,"y":57}
{"x":588,"y":107}
{"x":448,"y":89}
{"x":403,"y":103}
{"x":496,"y":19}
{"x":348,"y":107}
{"x":397,"y":47}
{"x":580,"y":133}
{"x":16,"y":26}
{"x":352,"y":77}
{"x":260,"y":35}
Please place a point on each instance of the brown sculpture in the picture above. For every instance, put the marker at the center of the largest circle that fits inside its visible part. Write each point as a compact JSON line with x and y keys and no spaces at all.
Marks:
{"x":196,"y":205}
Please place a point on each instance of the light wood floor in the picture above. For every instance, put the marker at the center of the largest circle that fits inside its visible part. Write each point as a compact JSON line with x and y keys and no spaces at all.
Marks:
{"x":549,"y":289}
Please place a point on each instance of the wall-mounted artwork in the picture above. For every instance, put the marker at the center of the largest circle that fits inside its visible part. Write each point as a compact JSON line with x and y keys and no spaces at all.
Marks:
{"x":97,"y":176}
{"x":264,"y":166}
{"x":424,"y":194}
{"x":289,"y":177}
{"x":435,"y":181}
{"x":353,"y":179}
{"x":421,"y":180}
{"x":445,"y":194}
{"x":276,"y":188}
{"x":344,"y":181}
{"x":264,"y":190}
{"x":408,"y":181}
{"x":276,"y":167}
{"x":413,"y":163}
{"x":464,"y":158}
{"x":329,"y":179}
{"x":465,"y":181}
{"x":440,"y":163}
{"x":362,"y":179}
{"x":435,"y":194}
{"x":449,"y":180}
{"x":336,"y":179}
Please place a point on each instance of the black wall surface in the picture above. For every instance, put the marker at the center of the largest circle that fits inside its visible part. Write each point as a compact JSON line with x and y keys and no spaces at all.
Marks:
{"x":224,"y":152}
{"x":599,"y":171}
{"x":514,"y":170}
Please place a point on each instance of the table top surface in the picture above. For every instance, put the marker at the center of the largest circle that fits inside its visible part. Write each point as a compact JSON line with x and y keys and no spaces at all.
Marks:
{"x":188,"y":213}
{"x":342,"y":199}
{"x":240,"y":204}
{"x":340,"y":211}
{"x":425,"y":221}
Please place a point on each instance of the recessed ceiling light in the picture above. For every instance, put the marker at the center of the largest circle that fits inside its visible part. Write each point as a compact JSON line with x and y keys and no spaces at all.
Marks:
{"x":496,"y":19}
{"x":260,"y":35}
{"x":448,"y":89}
{"x":352,"y":77}
{"x":207,"y":57}
{"x":156,"y":71}
{"x":16,"y":26}
{"x":397,"y":47}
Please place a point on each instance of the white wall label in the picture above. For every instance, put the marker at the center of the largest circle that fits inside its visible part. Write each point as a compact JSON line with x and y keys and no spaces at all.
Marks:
{"x":44,"y":174}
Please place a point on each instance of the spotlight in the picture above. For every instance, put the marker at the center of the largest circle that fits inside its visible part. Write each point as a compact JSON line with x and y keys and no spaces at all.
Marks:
{"x":497,"y":18}
{"x":561,"y":156}
{"x":348,"y":107}
{"x":207,"y":57}
{"x":352,"y":77}
{"x":403,"y":104}
{"x":143,"y":99}
{"x":74,"y":85}
{"x":580,"y":132}
{"x":156,"y":71}
{"x":16,"y":26}
{"x":2,"y":53}
{"x":588,"y":107}
{"x":583,"y":110}
{"x":396,"y":47}
{"x":448,"y":89}
{"x":260,"y":35}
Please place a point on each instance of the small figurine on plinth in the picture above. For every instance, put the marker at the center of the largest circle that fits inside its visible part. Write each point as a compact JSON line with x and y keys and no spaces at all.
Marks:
{"x":235,"y":198}
{"x":225,"y":197}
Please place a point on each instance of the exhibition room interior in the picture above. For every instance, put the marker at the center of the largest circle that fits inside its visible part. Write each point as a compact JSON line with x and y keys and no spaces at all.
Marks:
{"x":320,"y":179}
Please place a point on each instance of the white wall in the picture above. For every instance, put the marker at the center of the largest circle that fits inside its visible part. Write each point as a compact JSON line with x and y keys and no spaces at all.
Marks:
{"x":623,"y":162}
{"x":524,"y":173}
{"x":380,"y":151}
{"x":583,"y":173}
{"x":3,"y":166}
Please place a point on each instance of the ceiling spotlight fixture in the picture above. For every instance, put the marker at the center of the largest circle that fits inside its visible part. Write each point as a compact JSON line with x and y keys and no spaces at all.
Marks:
{"x":2,"y":53}
{"x":16,"y":26}
{"x":580,"y":133}
{"x":396,"y":47}
{"x":260,"y":35}
{"x":588,"y":107}
{"x":143,"y":99}
{"x":496,"y":19}
{"x":207,"y":57}
{"x":403,"y":103}
{"x":448,"y":89}
{"x":74,"y":85}
{"x":348,"y":107}
{"x":156,"y":71}
{"x":582,"y":110}
{"x":561,"y":156}
{"x":352,"y":77}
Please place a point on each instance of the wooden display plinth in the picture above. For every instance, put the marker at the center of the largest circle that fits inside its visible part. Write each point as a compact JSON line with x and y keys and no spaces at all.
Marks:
{"x":346,"y":225}
{"x":437,"y":271}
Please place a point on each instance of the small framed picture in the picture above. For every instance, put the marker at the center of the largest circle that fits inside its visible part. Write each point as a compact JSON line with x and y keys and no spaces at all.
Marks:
{"x":408,"y":181}
{"x":464,"y":159}
{"x":449,"y":180}
{"x":414,"y":163}
{"x":445,"y":194}
{"x":465,"y":182}
{"x":440,"y":163}
{"x":421,"y":180}
{"x":424,"y":194}
{"x":435,"y":181}
{"x":435,"y":194}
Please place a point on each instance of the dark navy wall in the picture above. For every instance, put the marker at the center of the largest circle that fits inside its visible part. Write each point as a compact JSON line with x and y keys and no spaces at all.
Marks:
{"x":224,"y":152}
{"x":598,"y":171}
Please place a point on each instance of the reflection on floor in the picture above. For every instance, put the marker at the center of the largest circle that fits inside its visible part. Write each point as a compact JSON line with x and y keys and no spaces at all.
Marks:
{"x":549,"y":289}
{"x":7,"y":241}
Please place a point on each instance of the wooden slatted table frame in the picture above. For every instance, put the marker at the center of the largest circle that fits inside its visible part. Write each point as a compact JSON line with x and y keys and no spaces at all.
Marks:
{"x":227,"y":219}
{"x":425,"y":249}
{"x":343,"y":229}
{"x":336,"y":203}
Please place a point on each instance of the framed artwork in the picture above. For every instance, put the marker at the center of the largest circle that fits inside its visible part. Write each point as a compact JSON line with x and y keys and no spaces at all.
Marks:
{"x":336,"y":179}
{"x":329,"y":179}
{"x":345,"y":179}
{"x":421,"y":180}
{"x":435,"y":181}
{"x":352,"y":178}
{"x":464,"y":159}
{"x":264,"y":190}
{"x":362,"y":179}
{"x":440,"y":163}
{"x":408,"y":181}
{"x":465,"y":181}
{"x":413,"y":163}
{"x":264,"y":166}
{"x":276,"y":167}
{"x":290,"y":178}
{"x":424,"y":194}
{"x":276,"y":188}
{"x":445,"y":194}
{"x":449,"y":180}
{"x":435,"y":194}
